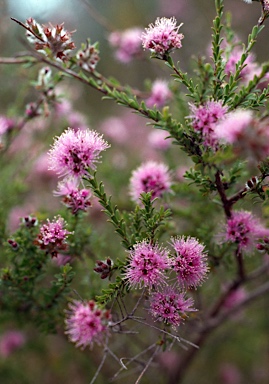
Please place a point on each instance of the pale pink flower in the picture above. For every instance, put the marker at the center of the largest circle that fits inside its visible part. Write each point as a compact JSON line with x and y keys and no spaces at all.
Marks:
{"x":170,"y":306}
{"x":189,"y":261}
{"x":245,"y":230}
{"x":115,"y":129}
{"x":249,"y":136}
{"x":75,"y":151}
{"x":147,"y":265}
{"x":52,"y":236}
{"x":150,"y":177}
{"x":162,"y":37}
{"x":234,"y":57}
{"x":10,"y":341}
{"x":86,"y":323}
{"x":235,"y":298}
{"x":127,"y":44}
{"x":53,"y":40}
{"x":6,"y":124}
{"x":204,"y":119}
{"x":74,"y":198}
{"x":158,"y":139}
{"x":160,"y":94}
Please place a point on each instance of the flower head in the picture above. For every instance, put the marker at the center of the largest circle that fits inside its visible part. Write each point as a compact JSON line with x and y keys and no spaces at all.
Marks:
{"x":127,"y":44}
{"x":147,"y":265}
{"x":150,"y":177}
{"x":162,"y":37}
{"x":53,"y":40}
{"x":170,"y":306}
{"x":244,"y":229}
{"x":10,"y":341}
{"x":189,"y":262}
{"x":52,"y":236}
{"x":86,"y":323}
{"x":74,"y":198}
{"x":204,"y":119}
{"x":159,"y":139}
{"x":75,"y":151}
{"x":159,"y":95}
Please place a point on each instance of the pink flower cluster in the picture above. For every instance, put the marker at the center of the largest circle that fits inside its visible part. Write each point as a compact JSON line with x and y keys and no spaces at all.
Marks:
{"x":10,"y":341}
{"x":204,"y":119}
{"x":150,"y":177}
{"x":245,"y":230}
{"x":149,"y":266}
{"x":162,"y":37}
{"x":52,"y":236}
{"x":74,"y":198}
{"x":127,"y":44}
{"x":86,"y":323}
{"x":49,"y":38}
{"x":75,"y":151}
{"x":170,"y":306}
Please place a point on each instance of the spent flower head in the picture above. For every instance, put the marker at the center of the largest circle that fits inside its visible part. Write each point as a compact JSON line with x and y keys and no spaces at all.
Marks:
{"x":170,"y":306}
{"x":162,"y":37}
{"x":75,"y":151}
{"x":150,"y":177}
{"x":88,"y":56}
{"x":86,"y":323}
{"x":189,"y":261}
{"x":52,"y":40}
{"x":147,"y":265}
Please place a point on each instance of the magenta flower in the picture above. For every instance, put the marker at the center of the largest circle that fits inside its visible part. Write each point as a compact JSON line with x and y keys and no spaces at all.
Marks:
{"x":170,"y":306}
{"x":159,"y":95}
{"x":127,"y":44}
{"x":250,"y":137}
{"x":10,"y":341}
{"x":6,"y":124}
{"x":189,"y":262}
{"x":162,"y":37}
{"x":245,"y":230}
{"x":75,"y":151}
{"x":74,"y":198}
{"x":204,"y":119}
{"x":53,"y":39}
{"x":150,"y":177}
{"x":86,"y":323}
{"x":52,"y":236}
{"x":147,"y":265}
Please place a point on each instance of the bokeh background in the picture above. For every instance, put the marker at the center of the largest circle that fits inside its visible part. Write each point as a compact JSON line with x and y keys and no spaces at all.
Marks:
{"x":239,"y":351}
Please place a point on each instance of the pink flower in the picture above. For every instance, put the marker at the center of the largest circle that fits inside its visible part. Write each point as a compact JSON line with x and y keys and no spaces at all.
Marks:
{"x":52,"y":40}
{"x":86,"y":323}
{"x":204,"y":119}
{"x":75,"y":151}
{"x":162,"y":37}
{"x":160,"y":94}
{"x":147,"y":265}
{"x":150,"y":177}
{"x":10,"y":341}
{"x":6,"y":124}
{"x":169,"y":306}
{"x":233,"y":58}
{"x":235,"y":298}
{"x":159,"y":139}
{"x":189,"y":262}
{"x":74,"y":198}
{"x":52,"y":236}
{"x":245,"y":230}
{"x":250,"y":137}
{"x":127,"y":43}
{"x":115,"y":129}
